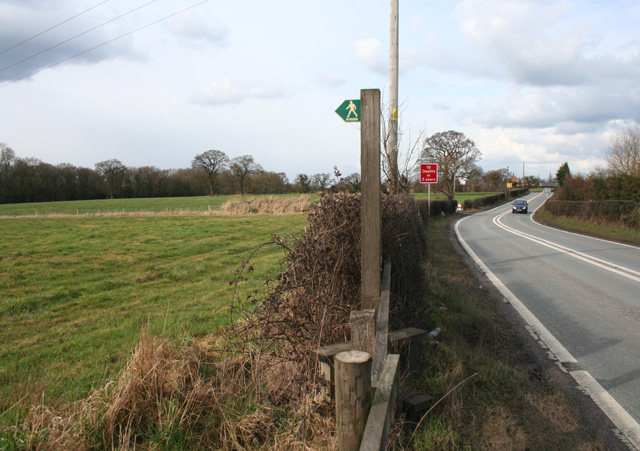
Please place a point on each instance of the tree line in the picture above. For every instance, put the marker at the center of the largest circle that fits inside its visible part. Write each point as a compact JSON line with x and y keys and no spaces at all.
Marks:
{"x":620,"y":180}
{"x":211,"y":173}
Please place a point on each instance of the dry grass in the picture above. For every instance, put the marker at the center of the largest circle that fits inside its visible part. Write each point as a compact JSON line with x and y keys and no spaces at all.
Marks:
{"x":177,"y":398}
{"x":266,"y":205}
{"x":234,"y":206}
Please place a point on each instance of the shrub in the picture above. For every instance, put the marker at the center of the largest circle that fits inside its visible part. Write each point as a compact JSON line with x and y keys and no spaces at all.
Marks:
{"x":481,"y":201}
{"x":311,"y":301}
{"x":620,"y":212}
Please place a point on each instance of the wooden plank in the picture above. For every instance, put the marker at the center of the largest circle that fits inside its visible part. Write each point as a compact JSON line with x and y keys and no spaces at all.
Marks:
{"x":370,"y":203}
{"x":409,"y":343}
{"x":327,"y":353}
{"x":377,"y":429}
{"x":363,"y":330}
{"x":408,"y":334}
{"x":353,"y":397}
{"x":382,"y":326}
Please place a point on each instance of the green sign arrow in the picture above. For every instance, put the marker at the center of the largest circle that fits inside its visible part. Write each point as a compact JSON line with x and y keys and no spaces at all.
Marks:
{"x":349,"y":110}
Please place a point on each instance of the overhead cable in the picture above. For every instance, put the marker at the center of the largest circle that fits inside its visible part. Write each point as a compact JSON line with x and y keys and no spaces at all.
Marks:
{"x":76,"y":36}
{"x":51,"y":28}
{"x":103,"y":44}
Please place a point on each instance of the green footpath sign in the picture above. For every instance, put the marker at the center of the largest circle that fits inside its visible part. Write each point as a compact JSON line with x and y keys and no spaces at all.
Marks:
{"x":349,"y":110}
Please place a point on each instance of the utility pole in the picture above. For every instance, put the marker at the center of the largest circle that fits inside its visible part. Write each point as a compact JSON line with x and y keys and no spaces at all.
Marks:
{"x":393,"y":98}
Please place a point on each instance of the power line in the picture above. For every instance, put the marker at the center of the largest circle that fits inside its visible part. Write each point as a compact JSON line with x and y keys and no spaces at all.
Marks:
{"x":51,"y":28}
{"x":103,"y":44}
{"x":77,"y":36}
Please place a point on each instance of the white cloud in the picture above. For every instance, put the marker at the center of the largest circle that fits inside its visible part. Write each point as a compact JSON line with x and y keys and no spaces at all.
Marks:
{"x":371,"y":54}
{"x":229,"y":91}
{"x":196,"y":30}
{"x":330,"y":79}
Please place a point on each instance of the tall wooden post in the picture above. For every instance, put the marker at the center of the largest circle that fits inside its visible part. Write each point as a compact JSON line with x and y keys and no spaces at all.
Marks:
{"x":353,"y":397}
{"x":392,"y":143}
{"x":370,"y":215}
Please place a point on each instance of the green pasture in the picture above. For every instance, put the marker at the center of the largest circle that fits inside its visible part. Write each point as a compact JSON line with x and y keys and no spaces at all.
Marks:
{"x":101,"y":206}
{"x":75,"y":291}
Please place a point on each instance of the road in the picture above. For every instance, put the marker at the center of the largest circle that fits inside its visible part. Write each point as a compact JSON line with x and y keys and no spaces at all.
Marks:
{"x":580,"y":297}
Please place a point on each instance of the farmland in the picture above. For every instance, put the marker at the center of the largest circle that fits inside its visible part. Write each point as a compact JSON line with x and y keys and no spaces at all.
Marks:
{"x":76,"y":291}
{"x":170,"y":205}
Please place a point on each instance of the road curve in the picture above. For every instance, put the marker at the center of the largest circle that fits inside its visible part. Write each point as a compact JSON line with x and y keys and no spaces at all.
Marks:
{"x":580,"y":297}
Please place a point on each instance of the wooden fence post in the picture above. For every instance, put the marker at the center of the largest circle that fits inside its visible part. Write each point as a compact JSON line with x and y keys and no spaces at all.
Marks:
{"x":370,"y":200}
{"x":353,"y":397}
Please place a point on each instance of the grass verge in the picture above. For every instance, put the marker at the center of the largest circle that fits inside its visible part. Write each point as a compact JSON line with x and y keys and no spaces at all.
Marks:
{"x":612,"y":232}
{"x":504,"y":400}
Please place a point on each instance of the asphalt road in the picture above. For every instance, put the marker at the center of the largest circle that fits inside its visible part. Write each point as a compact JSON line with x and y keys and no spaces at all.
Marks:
{"x":580,"y":297}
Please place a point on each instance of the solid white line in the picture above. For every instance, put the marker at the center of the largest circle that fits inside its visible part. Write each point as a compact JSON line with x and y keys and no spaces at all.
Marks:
{"x":573,"y":233}
{"x":625,"y":423}
{"x":618,"y":269}
{"x":620,"y":417}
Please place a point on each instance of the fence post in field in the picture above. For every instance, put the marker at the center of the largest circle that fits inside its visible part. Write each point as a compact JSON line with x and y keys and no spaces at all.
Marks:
{"x":353,"y":397}
{"x":363,"y":330}
{"x":370,"y":214}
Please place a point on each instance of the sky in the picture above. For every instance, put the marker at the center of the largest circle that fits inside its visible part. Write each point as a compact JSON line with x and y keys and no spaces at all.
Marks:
{"x":534,"y":83}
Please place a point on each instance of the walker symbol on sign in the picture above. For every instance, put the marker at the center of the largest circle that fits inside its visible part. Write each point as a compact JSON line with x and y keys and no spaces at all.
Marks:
{"x":349,"y":110}
{"x":352,"y":110}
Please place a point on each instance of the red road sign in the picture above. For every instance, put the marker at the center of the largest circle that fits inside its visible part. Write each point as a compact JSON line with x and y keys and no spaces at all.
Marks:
{"x":428,"y":173}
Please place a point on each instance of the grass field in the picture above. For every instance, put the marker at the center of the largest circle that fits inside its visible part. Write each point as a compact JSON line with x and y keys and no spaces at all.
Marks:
{"x":77,"y":290}
{"x":102,"y":206}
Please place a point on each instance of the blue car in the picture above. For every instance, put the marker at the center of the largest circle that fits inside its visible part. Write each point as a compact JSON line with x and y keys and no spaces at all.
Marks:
{"x":520,"y":206}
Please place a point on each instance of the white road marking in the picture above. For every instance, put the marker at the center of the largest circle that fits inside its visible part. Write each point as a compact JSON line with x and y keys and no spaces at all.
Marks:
{"x":618,"y":269}
{"x":628,"y":427}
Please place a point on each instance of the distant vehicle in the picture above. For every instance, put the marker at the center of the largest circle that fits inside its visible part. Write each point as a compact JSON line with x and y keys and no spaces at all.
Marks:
{"x":520,"y":206}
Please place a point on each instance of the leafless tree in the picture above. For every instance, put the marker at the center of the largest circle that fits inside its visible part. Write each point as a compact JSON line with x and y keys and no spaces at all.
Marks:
{"x":405,"y":160}
{"x":113,"y":172}
{"x":624,"y":152}
{"x":210,"y":162}
{"x":321,"y":181}
{"x":243,"y":166}
{"x":455,"y":155}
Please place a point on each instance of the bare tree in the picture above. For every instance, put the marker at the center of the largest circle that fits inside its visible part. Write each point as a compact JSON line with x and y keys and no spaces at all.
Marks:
{"x":320,"y":181}
{"x":114,"y":173}
{"x":243,"y":166}
{"x":455,"y":155}
{"x":210,"y":163}
{"x":399,"y":164}
{"x":495,"y":180}
{"x":624,"y":152}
